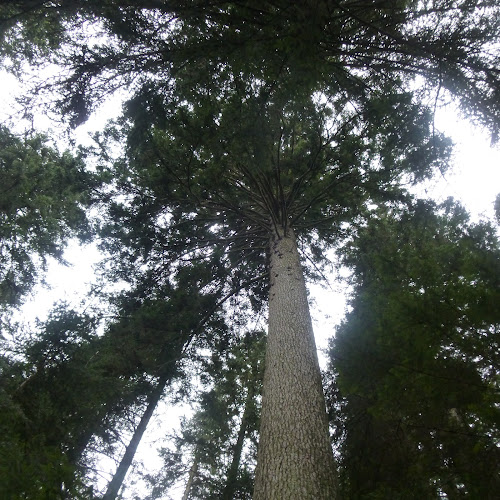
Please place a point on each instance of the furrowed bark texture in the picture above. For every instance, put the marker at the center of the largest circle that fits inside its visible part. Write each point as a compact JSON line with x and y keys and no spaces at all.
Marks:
{"x":295,"y":459}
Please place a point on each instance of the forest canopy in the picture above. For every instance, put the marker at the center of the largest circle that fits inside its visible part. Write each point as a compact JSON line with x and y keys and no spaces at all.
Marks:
{"x":258,"y":141}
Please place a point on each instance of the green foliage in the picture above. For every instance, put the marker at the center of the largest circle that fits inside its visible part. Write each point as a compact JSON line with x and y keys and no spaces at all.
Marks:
{"x":352,"y":47}
{"x":415,"y":358}
{"x":44,"y":195}
{"x":248,"y":118}
{"x":29,"y":31}
{"x":217,"y":445}
{"x":68,"y":388}
{"x":210,"y":180}
{"x":46,"y":400}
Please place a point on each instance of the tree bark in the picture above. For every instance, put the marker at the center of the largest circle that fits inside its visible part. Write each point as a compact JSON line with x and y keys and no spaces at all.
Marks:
{"x":192,"y":474}
{"x":232,"y":473}
{"x":117,"y":481}
{"x":295,"y":458}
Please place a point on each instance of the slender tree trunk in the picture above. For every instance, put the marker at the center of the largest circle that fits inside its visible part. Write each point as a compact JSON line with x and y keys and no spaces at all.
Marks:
{"x":232,"y":473}
{"x":295,"y":458}
{"x":192,"y":474}
{"x":117,"y":481}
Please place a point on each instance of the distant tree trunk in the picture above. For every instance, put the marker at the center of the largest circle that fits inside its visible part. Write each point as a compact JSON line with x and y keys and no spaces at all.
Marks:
{"x":192,"y":474}
{"x":117,"y":481}
{"x":295,"y":458}
{"x":232,"y":473}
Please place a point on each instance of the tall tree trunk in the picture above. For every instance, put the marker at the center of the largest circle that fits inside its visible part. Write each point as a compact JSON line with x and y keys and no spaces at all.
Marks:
{"x":117,"y":481}
{"x":192,"y":474}
{"x":232,"y":473}
{"x":295,"y":458}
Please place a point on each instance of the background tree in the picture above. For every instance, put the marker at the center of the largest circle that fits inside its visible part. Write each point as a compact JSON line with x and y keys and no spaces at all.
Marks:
{"x":70,"y":393}
{"x":157,"y":333}
{"x":50,"y":393}
{"x":215,"y":453}
{"x":416,"y":358}
{"x":44,"y":197}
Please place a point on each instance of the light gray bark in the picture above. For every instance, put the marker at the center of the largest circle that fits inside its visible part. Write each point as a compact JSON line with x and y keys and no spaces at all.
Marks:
{"x":295,"y":459}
